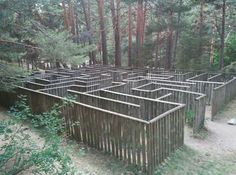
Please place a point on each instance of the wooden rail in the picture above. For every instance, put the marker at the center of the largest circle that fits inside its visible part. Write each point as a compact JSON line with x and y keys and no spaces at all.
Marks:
{"x":145,"y":144}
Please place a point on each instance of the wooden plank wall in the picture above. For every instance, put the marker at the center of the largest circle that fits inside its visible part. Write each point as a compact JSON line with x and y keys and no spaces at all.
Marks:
{"x":199,"y":114}
{"x":206,"y":87}
{"x":145,"y":144}
{"x":149,"y":108}
{"x":222,"y":95}
{"x":195,"y":103}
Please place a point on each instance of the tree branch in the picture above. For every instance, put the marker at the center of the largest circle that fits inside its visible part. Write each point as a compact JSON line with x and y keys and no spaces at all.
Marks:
{"x":17,"y":43}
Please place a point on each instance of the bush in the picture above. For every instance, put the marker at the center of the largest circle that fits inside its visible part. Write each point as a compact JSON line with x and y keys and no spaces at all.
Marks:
{"x":189,"y":116}
{"x":9,"y":77}
{"x":19,"y":150}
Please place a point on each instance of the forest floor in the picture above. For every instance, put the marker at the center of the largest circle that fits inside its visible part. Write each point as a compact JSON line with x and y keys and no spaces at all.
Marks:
{"x":212,"y":152}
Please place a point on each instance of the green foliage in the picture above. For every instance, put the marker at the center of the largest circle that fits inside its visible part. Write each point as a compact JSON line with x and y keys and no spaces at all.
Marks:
{"x":57,"y":46}
{"x":230,"y":49}
{"x":51,"y":121}
{"x":190,"y":54}
{"x":230,"y":54}
{"x":9,"y":77}
{"x":21,"y":111}
{"x":189,"y":117}
{"x":19,"y":150}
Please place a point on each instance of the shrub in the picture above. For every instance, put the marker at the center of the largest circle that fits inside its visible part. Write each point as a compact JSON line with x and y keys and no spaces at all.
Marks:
{"x":19,"y":150}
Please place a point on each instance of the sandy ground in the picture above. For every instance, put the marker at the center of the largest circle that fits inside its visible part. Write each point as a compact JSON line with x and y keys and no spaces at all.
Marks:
{"x":218,"y":137}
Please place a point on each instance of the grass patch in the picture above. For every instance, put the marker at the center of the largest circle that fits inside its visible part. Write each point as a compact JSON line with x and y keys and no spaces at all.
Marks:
{"x":187,"y":162}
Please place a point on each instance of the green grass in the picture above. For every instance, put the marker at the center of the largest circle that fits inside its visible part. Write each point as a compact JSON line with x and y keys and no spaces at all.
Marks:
{"x":189,"y":162}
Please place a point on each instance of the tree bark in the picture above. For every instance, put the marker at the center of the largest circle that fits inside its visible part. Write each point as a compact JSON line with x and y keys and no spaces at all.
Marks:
{"x":115,"y":11}
{"x":71,"y":17}
{"x":144,"y":12}
{"x":65,"y":15}
{"x":202,"y":2}
{"x":130,"y":36}
{"x":169,"y":50}
{"x":158,"y":50}
{"x":87,"y":14}
{"x":102,"y":31}
{"x":177,"y":32}
{"x":212,"y":42}
{"x":139,"y":32}
{"x":156,"y":63}
{"x":222,"y":36}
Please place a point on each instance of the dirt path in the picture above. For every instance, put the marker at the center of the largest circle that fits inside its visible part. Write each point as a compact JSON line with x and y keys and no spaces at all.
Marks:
{"x":219,"y":137}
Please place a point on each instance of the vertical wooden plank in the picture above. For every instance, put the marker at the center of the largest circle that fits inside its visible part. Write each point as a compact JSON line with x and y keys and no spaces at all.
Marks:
{"x":144,"y":138}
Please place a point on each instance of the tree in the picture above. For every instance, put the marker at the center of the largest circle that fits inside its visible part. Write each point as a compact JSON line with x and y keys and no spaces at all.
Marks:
{"x":57,"y":49}
{"x":115,"y":11}
{"x":222,"y":36}
{"x":87,"y":16}
{"x":139,"y":23}
{"x":130,"y":36}
{"x":100,"y":4}
{"x":169,"y":50}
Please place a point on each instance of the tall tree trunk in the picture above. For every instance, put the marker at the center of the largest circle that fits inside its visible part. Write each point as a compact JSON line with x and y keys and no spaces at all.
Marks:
{"x":115,"y":11}
{"x":202,"y":2}
{"x":177,"y":31}
{"x":157,"y":50}
{"x":139,"y":32}
{"x":71,"y":17}
{"x":158,"y":40}
{"x":65,"y":15}
{"x":222,"y":36}
{"x":87,"y":14}
{"x":144,"y":12}
{"x":169,"y":51}
{"x":212,"y":42}
{"x":76,"y":24}
{"x":102,"y":30}
{"x":130,"y":36}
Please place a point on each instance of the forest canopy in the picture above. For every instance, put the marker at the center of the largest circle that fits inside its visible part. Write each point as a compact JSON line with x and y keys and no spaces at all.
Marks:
{"x":173,"y":34}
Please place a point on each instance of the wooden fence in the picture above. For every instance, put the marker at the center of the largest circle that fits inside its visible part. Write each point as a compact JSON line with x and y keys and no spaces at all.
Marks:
{"x":143,"y":143}
{"x":222,"y":95}
{"x":195,"y":102}
{"x":206,"y":87}
{"x":175,"y":76}
{"x":183,"y":83}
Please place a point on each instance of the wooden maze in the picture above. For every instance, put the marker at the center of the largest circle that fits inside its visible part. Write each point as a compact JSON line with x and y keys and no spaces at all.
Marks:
{"x":137,"y":115}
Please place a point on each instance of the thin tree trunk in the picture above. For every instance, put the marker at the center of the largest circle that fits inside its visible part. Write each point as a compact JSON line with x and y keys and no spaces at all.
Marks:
{"x":130,"y":36}
{"x":202,"y":2}
{"x":86,"y":10}
{"x":169,"y":50}
{"x":222,"y":36}
{"x":144,"y":12}
{"x":177,"y":31}
{"x":65,"y":15}
{"x":86,"y":14}
{"x":115,"y":11}
{"x":212,"y":42}
{"x":102,"y":30}
{"x":157,"y":50}
{"x":158,"y":42}
{"x":138,"y":32}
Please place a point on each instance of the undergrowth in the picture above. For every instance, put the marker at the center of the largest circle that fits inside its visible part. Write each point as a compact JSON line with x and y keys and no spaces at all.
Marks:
{"x":20,"y":152}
